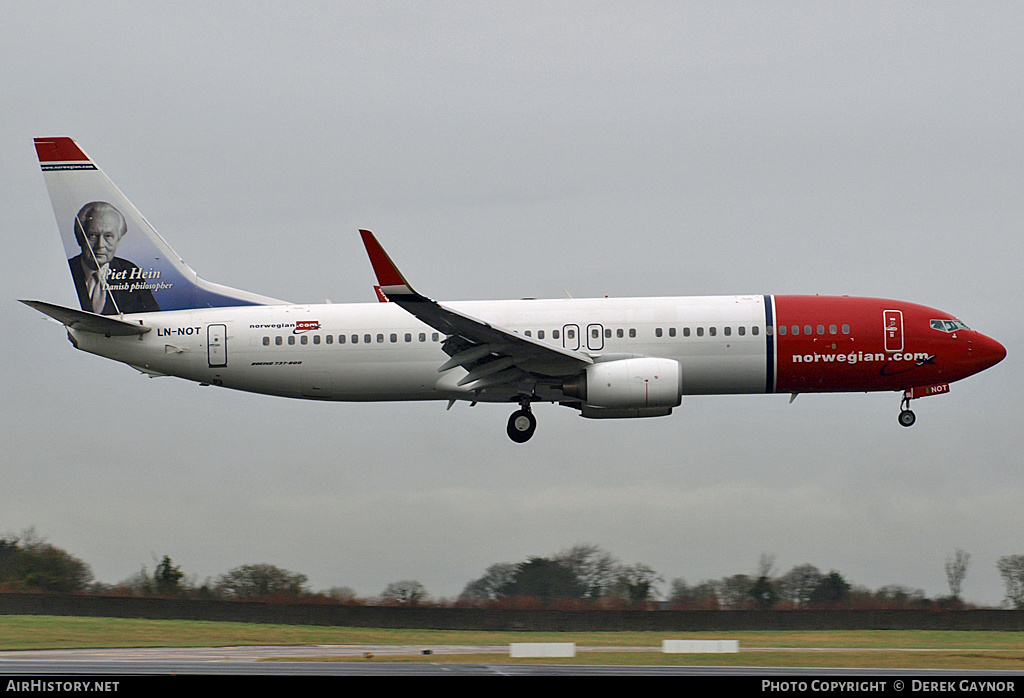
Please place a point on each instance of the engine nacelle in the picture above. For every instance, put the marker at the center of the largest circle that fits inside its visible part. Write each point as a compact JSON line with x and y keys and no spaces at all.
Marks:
{"x":644,"y":384}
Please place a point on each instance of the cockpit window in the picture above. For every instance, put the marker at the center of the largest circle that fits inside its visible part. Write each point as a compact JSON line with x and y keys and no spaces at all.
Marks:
{"x":948,"y":325}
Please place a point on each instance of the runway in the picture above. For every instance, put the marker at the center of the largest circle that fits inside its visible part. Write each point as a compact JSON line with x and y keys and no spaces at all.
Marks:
{"x":380,"y":660}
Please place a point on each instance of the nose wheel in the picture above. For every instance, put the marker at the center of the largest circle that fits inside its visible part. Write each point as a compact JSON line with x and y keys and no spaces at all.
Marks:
{"x":907,"y":417}
{"x":521,"y":425}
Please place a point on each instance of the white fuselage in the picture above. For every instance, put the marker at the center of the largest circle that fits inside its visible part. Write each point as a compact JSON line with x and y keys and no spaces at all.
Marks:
{"x":378,"y":351}
{"x":609,"y":358}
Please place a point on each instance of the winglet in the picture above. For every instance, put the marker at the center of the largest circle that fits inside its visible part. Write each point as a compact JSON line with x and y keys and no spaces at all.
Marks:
{"x":391,"y":281}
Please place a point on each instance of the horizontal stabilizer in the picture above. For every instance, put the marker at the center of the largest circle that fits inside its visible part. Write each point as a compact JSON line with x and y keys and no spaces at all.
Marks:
{"x":88,"y":322}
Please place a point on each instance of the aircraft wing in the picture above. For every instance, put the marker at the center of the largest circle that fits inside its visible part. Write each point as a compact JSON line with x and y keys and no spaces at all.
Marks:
{"x":493,"y":355}
{"x":88,"y":322}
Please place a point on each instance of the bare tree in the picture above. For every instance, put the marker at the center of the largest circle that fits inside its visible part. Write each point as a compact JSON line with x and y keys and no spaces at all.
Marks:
{"x":763,"y":591}
{"x":734,"y":591}
{"x":594,"y":567}
{"x":799,"y":583}
{"x":901,"y":596}
{"x":637,"y":582}
{"x":766,"y":565}
{"x":1011,"y":569}
{"x":703,"y":595}
{"x":139,"y":584}
{"x":342,"y":594}
{"x":261,"y":580}
{"x":493,"y":585}
{"x":407,"y":592}
{"x":956,"y":570}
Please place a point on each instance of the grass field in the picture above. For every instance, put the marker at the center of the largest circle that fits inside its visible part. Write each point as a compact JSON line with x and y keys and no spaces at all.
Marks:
{"x":1002,"y":651}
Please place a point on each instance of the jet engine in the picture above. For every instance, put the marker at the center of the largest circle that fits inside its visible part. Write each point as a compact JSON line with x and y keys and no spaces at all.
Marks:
{"x":635,"y":387}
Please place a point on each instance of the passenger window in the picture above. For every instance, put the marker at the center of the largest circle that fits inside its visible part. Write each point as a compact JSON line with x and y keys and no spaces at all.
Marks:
{"x":355,"y":339}
{"x":408,"y":336}
{"x":330,"y":339}
{"x":846,"y":329}
{"x":305,"y":339}
{"x":686,"y":331}
{"x":782,"y":329}
{"x":671,"y":331}
{"x":712,"y":331}
{"x":595,"y":333}
{"x":423,"y":336}
{"x":607,"y":334}
{"x":554,"y":334}
{"x":821,"y":329}
{"x":277,"y":340}
{"x":807,"y":329}
{"x":727,"y":331}
{"x":754,"y":330}
{"x":316,"y":339}
{"x":657,"y":331}
{"x":796,"y":329}
{"x":367,"y":338}
{"x":341,"y":339}
{"x":832,"y":329}
{"x":291,"y":339}
{"x":528,"y":333}
{"x":700,"y":331}
{"x":434,"y":337}
{"x":632,"y":332}
{"x":570,"y":334}
{"x":619,"y":333}
{"x":540,"y":334}
{"x":266,"y":341}
{"x":742,"y":330}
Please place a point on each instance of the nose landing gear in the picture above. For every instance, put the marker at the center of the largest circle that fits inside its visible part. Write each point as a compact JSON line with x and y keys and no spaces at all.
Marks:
{"x":906,"y":418}
{"x":522,"y":424}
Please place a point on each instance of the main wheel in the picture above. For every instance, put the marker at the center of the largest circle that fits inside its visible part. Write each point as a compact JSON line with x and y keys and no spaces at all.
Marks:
{"x":521,"y":426}
{"x":907,"y":418}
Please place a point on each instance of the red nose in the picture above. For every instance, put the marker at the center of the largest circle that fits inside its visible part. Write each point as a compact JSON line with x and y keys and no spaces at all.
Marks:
{"x":987,"y":352}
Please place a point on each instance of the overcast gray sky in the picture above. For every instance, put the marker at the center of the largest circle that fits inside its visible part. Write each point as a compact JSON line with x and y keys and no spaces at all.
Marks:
{"x":506,"y":150}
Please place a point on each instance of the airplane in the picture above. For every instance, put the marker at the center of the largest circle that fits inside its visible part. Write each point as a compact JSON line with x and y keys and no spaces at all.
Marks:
{"x":607,"y":358}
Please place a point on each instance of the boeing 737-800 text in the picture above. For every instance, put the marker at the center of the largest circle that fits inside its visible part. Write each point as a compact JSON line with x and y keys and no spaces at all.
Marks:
{"x":605,"y":357}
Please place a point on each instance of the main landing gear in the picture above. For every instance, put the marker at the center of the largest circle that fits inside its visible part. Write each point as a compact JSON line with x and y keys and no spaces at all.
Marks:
{"x":522,"y":423}
{"x":906,"y":418}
